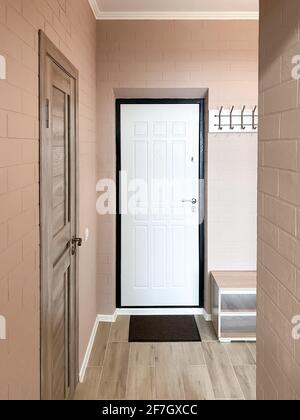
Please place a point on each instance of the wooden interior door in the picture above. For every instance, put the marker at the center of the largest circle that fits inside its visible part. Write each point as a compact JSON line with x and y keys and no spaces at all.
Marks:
{"x":58,"y":203}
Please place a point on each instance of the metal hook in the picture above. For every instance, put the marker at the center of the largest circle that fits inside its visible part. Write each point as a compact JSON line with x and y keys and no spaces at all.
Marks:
{"x":242,"y":118}
{"x":253,"y":118}
{"x":220,"y":118}
{"x":231,"y":125}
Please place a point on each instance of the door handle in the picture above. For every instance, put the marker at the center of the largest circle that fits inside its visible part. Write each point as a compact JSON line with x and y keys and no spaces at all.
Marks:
{"x":75,"y":242}
{"x":192,"y":201}
{"x":202,"y":201}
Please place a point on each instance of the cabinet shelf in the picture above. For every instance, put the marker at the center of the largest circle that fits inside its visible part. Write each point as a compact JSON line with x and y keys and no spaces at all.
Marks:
{"x":238,"y":302}
{"x":238,"y":313}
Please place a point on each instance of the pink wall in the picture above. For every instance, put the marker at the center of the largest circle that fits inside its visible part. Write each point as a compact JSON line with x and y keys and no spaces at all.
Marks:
{"x":219,"y":55}
{"x":279,"y":197}
{"x":71,"y":26}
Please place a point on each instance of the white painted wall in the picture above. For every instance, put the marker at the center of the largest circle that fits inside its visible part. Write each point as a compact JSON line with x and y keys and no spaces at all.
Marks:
{"x":231,"y":217}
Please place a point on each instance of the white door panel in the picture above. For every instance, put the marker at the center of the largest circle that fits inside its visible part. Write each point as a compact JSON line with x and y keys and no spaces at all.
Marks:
{"x":160,"y":239}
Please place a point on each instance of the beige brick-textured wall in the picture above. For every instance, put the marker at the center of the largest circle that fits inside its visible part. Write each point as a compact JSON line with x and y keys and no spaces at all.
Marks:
{"x":71,"y":25}
{"x":279,"y":198}
{"x":219,"y":55}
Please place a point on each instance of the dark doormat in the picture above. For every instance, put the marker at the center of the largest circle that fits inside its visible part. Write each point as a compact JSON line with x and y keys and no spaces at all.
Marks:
{"x":151,"y":329}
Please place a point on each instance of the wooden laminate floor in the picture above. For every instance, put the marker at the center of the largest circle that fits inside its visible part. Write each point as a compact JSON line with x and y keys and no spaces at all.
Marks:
{"x":119,"y":370}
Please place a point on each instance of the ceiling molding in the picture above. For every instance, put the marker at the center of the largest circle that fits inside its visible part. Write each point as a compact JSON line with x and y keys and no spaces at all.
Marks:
{"x":95,"y":8}
{"x":171,"y":15}
{"x":178,"y":16}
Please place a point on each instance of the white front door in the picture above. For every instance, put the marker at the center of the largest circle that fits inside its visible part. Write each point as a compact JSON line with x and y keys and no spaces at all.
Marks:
{"x":160,"y":205}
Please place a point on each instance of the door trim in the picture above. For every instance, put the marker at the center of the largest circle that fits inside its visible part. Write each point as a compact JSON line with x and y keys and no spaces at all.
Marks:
{"x":119,"y":103}
{"x":48,"y":49}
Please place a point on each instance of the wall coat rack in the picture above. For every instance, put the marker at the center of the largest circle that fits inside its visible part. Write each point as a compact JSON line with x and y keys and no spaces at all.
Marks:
{"x":233,"y":120}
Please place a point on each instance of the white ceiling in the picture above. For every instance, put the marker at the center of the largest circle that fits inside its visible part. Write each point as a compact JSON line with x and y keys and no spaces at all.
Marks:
{"x":175,"y":9}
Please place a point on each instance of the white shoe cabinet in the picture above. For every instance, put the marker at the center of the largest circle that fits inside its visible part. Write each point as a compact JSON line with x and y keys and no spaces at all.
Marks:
{"x":234,"y":305}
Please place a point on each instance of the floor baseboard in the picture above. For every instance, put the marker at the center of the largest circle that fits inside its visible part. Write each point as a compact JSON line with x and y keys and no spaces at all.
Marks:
{"x":207,"y":316}
{"x":160,"y":311}
{"x":88,"y":351}
{"x":153,"y":311}
{"x":107,"y":318}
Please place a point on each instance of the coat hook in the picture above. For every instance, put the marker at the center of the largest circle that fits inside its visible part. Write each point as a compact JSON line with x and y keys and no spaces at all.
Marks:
{"x":242,"y":118}
{"x":220,"y":118}
{"x":253,"y":118}
{"x":231,"y":125}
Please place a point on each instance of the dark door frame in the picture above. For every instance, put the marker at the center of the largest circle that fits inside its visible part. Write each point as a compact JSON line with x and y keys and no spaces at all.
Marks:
{"x":47,"y":49}
{"x":119,"y":103}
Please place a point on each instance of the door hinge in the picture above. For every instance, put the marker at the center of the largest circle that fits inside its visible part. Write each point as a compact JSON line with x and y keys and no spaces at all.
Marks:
{"x":47,"y":113}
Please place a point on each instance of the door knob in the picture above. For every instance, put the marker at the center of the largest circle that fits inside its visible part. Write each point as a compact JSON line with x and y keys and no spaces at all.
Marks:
{"x":193,"y":201}
{"x":75,"y":242}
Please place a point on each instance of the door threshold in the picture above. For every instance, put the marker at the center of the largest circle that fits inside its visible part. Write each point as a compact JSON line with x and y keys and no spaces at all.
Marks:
{"x":162,"y":311}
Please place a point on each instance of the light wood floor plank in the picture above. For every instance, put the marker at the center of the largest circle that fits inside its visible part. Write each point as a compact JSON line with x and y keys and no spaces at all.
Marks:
{"x":252,"y":348}
{"x":222,"y":375}
{"x":169,"y":382}
{"x":197,"y":383}
{"x":239,"y":354}
{"x":120,"y":330}
{"x":192,"y":354}
{"x":100,"y":344}
{"x":142,"y":354}
{"x":114,"y":375}
{"x":206,"y":329}
{"x":140,"y":382}
{"x":89,"y":388}
{"x":247,"y":378}
{"x":169,"y":354}
{"x":180,"y":353}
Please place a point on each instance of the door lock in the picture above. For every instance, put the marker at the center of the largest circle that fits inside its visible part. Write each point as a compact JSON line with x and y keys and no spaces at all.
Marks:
{"x":75,"y":242}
